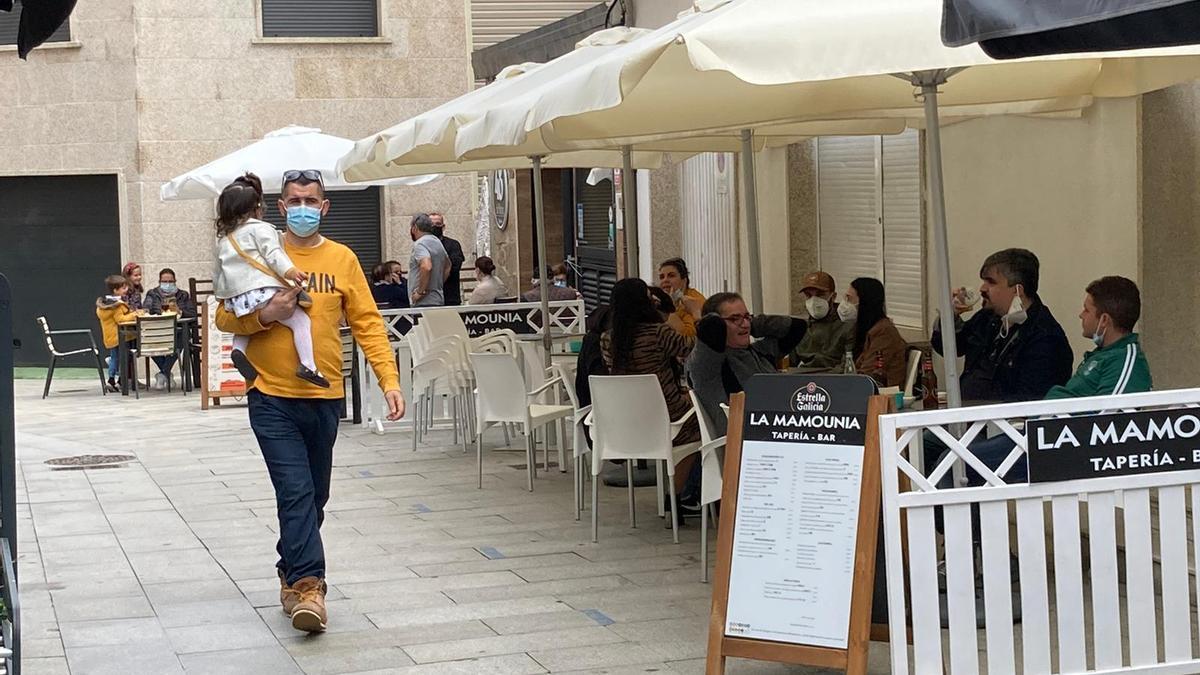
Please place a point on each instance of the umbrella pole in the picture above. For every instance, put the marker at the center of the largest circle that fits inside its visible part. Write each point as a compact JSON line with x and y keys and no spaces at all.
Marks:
{"x":629,"y":194}
{"x":539,"y":221}
{"x":750,"y":187}
{"x":929,"y":81}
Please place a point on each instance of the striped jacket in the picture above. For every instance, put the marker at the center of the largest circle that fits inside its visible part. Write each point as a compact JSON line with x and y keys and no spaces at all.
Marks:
{"x":1120,"y":368}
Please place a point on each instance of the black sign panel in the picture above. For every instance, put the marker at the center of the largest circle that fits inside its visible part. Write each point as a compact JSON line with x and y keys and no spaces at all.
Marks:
{"x":823,"y":409}
{"x":499,"y":317}
{"x":1098,"y":446}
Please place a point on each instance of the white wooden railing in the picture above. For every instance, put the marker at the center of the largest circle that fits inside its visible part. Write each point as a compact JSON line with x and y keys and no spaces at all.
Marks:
{"x":567,"y":319}
{"x":1086,"y":594}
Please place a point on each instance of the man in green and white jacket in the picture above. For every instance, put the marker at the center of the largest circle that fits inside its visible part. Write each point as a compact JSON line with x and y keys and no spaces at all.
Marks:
{"x":1118,"y":365}
{"x":1111,"y":308}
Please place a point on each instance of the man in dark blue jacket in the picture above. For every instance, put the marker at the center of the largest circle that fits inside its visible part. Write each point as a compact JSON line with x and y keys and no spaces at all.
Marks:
{"x":1014,"y":347}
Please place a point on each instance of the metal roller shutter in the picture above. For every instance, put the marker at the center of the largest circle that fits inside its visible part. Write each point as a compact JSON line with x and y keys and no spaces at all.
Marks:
{"x":320,"y":18}
{"x":10,"y":22}
{"x":354,"y":219}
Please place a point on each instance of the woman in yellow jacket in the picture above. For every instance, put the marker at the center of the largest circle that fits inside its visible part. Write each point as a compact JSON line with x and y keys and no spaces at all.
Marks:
{"x":111,"y":310}
{"x":673,"y":278}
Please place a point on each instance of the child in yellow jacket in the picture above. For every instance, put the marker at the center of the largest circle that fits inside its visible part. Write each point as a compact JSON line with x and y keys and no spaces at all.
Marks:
{"x":111,"y":310}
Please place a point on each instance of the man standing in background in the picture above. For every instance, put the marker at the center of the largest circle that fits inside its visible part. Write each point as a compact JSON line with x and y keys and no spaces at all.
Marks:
{"x":452,"y":289}
{"x":428,"y":266}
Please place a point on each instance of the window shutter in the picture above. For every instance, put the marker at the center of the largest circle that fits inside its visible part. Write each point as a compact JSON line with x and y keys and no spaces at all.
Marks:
{"x":710,"y":240}
{"x":851,"y":239}
{"x":10,"y":23}
{"x":320,"y":18}
{"x":354,"y":219}
{"x":902,"y":242}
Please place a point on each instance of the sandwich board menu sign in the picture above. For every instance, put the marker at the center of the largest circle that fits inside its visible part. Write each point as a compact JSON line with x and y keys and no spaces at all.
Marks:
{"x":799,"y":527}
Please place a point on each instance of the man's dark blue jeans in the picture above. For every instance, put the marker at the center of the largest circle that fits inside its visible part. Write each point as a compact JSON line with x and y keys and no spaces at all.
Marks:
{"x":296,"y":436}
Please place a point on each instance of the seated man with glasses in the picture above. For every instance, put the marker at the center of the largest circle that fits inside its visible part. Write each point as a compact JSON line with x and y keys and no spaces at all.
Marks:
{"x":725,"y":356}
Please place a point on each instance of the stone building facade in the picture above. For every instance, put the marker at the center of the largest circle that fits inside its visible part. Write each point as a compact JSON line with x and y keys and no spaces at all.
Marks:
{"x":148,"y":89}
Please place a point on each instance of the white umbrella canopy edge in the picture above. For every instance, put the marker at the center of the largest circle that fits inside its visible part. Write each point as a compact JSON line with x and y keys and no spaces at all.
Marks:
{"x":292,"y":147}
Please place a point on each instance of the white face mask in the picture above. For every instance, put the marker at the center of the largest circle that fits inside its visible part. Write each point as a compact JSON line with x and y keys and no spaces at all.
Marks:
{"x":847,"y":312}
{"x":1015,"y":317}
{"x":818,"y":307}
{"x":677,"y":294}
{"x":1098,"y":336}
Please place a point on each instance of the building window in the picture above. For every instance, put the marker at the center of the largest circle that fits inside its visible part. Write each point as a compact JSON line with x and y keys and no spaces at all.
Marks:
{"x":869,"y":193}
{"x":10,"y":23}
{"x":320,"y":18}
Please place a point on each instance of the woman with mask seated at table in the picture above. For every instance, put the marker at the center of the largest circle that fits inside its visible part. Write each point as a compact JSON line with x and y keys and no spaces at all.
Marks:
{"x":875,"y":336}
{"x":167,"y":296}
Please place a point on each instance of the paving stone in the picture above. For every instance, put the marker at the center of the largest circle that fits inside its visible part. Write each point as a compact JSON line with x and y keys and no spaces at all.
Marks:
{"x":465,"y":612}
{"x":153,"y":657}
{"x":595,"y":657}
{"x":514,"y":664}
{"x":80,"y":608}
{"x":336,"y":661}
{"x":256,"y":661}
{"x":510,"y":644}
{"x":220,"y":637}
{"x":113,"y":632}
{"x":206,"y":612}
{"x":55,"y":665}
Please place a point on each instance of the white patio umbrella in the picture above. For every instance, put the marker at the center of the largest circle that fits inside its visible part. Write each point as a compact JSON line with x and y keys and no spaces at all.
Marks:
{"x":734,"y":63}
{"x":292,"y":147}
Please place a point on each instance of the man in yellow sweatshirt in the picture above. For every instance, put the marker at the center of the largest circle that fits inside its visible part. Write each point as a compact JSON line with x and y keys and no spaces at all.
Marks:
{"x":295,"y":422}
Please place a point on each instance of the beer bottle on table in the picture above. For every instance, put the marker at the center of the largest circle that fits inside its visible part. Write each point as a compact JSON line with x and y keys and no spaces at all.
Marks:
{"x":929,"y":384}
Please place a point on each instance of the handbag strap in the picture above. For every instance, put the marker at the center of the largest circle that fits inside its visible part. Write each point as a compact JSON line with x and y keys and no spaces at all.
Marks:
{"x":254,"y":263}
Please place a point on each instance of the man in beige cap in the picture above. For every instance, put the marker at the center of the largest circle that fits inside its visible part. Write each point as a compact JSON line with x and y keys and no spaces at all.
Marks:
{"x":828,"y":337}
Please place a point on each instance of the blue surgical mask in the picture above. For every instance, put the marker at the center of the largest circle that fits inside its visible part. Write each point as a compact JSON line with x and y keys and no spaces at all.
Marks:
{"x":303,"y":220}
{"x":168,"y":289}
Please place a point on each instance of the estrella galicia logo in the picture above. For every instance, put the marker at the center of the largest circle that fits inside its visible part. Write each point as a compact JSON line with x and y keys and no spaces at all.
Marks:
{"x":811,"y":398}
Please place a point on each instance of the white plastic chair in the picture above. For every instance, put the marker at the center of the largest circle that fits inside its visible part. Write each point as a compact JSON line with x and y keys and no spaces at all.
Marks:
{"x":579,"y":445}
{"x":710,"y":481}
{"x":503,"y":398}
{"x":448,"y":322}
{"x":629,"y":420}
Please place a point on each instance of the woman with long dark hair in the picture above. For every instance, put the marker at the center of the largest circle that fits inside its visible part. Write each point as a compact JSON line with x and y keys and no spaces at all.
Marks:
{"x":639,"y":343}
{"x":874,"y":333}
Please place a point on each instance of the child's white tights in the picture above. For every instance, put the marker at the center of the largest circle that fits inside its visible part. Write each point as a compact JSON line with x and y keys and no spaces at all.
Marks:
{"x":301,"y":327}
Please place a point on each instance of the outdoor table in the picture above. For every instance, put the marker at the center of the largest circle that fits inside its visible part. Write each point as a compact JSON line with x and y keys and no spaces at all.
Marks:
{"x":184,"y":329}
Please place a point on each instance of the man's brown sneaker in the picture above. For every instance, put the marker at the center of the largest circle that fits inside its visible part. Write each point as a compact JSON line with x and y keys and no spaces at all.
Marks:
{"x":309,"y":613}
{"x":288,"y":597}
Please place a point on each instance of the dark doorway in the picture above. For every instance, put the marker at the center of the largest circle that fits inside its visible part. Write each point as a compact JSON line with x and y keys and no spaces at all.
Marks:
{"x":61,"y":236}
{"x":355,"y":219}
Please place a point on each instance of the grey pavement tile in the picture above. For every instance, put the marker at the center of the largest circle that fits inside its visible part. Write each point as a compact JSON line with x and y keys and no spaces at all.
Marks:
{"x":53,"y":665}
{"x":167,"y":542}
{"x":484,"y":564}
{"x":672,"y":639}
{"x":609,"y":584}
{"x":309,"y":645}
{"x":565,"y":617}
{"x":153,"y":657}
{"x":436,"y":584}
{"x":581,"y":567}
{"x":171,"y":593}
{"x":593,"y":657}
{"x":513,"y":664}
{"x":62,"y":586}
{"x":511,"y":644}
{"x":112,"y":632}
{"x":203,"y":611}
{"x":220,"y":637}
{"x":41,"y":647}
{"x":465,"y":612}
{"x":255,"y":661}
{"x":335,"y":661}
{"x":82,"y":608}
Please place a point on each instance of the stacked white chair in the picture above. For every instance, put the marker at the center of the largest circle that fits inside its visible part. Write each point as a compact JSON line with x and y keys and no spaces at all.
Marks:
{"x":710,"y":481}
{"x":504,"y":398}
{"x":629,"y":421}
{"x":439,"y":361}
